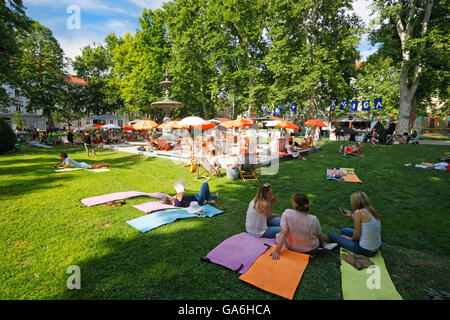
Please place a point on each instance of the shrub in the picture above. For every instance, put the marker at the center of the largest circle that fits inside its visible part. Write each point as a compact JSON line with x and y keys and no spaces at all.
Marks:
{"x":7,"y":137}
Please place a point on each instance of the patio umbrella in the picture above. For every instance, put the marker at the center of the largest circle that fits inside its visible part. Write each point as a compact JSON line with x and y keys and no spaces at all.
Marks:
{"x":88,"y":127}
{"x":128,"y":128}
{"x":237,"y":123}
{"x":206,"y":126}
{"x":287,"y":125}
{"x":111,"y":126}
{"x":145,"y":125}
{"x":174,"y":124}
{"x":192,"y":121}
{"x":315,"y":123}
{"x":99,"y":125}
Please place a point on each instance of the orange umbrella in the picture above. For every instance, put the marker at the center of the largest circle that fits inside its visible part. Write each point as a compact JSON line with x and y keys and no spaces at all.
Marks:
{"x":129,"y":128}
{"x":287,"y":125}
{"x":237,"y":123}
{"x":145,"y":125}
{"x":98,"y":125}
{"x":209,"y":125}
{"x":172,"y":124}
{"x":315,"y":123}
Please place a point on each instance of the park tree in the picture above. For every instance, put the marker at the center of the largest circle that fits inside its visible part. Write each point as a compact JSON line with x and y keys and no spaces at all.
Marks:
{"x":41,"y":66}
{"x":139,"y":64}
{"x":193,"y":34}
{"x":13,"y":23}
{"x":94,"y":65}
{"x":313,"y":52}
{"x":415,"y":34}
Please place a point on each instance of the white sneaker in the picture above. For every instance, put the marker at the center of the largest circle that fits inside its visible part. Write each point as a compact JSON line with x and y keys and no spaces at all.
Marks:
{"x":330,"y":246}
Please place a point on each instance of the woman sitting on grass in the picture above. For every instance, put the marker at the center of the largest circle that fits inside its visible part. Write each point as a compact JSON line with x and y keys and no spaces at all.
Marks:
{"x":184,"y":201}
{"x":260,"y":221}
{"x":365,"y":238}
{"x":353,"y":150}
{"x":300,"y":231}
{"x":69,"y":162}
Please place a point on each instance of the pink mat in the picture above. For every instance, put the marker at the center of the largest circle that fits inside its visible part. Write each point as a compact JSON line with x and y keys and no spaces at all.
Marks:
{"x":119,"y":196}
{"x":153,"y":206}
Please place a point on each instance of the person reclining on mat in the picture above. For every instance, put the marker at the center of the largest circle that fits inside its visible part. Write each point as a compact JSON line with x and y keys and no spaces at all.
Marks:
{"x":182,"y":200}
{"x":260,"y":221}
{"x":300,"y":231}
{"x":365,"y":238}
{"x":290,"y":148}
{"x":69,"y":162}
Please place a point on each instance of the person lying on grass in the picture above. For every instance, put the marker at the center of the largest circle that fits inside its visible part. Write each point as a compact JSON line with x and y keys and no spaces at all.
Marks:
{"x":69,"y":162}
{"x":300,"y":231}
{"x":353,"y":150}
{"x":260,"y":221}
{"x":184,"y":201}
{"x":365,"y":238}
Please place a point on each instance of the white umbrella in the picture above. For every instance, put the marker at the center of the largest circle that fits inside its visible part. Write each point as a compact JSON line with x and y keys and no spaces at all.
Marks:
{"x":111,"y":126}
{"x":192,"y":121}
{"x":88,"y":127}
{"x":272,"y":123}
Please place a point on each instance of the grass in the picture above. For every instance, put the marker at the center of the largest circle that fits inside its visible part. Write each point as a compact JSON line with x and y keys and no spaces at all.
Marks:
{"x":438,"y":138}
{"x":44,"y":228}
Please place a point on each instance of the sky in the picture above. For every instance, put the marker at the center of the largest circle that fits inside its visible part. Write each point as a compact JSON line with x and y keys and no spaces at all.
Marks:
{"x":78,"y":23}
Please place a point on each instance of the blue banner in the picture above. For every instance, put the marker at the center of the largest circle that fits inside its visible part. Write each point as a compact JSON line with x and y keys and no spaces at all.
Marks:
{"x":269,"y":111}
{"x":263,"y":109}
{"x":378,"y":103}
{"x":333,"y":103}
{"x":277,"y":110}
{"x":354,"y":106}
{"x":282,"y":107}
{"x":366,"y":105}
{"x":293,"y":106}
{"x":343,"y":105}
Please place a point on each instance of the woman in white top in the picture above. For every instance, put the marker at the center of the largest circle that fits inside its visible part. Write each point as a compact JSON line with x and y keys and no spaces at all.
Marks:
{"x":300,"y":231}
{"x":365,"y":238}
{"x":260,"y":221}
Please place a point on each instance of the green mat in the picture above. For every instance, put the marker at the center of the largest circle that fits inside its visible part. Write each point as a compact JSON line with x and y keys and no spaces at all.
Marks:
{"x":373,"y":283}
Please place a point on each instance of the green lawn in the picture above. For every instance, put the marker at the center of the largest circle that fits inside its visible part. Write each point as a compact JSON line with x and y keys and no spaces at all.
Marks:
{"x":44,"y":228}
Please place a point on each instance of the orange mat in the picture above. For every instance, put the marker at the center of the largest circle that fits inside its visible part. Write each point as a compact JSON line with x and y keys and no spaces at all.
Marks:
{"x":351,"y":177}
{"x":280,"y":277}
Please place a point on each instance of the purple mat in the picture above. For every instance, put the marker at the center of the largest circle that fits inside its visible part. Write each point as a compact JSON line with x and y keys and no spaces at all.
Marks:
{"x":239,"y":251}
{"x":151,"y":206}
{"x":119,"y":196}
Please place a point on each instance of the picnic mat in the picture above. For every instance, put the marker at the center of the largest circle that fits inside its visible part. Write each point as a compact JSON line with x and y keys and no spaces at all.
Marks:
{"x":74,"y":169}
{"x":159,"y":218}
{"x":367,"y":284}
{"x":349,"y":177}
{"x":118,"y":196}
{"x":151,"y":206}
{"x":280,"y":277}
{"x":238,"y":252}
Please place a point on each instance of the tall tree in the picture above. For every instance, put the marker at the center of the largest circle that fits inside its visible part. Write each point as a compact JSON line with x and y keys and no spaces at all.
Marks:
{"x":407,"y":29}
{"x":313,"y":51}
{"x":94,"y":66}
{"x":139,"y":64}
{"x":13,"y":23}
{"x":41,"y":67}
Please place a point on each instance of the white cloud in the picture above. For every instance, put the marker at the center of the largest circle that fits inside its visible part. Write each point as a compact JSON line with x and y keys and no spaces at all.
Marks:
{"x":148,"y":4}
{"x":89,"y":5}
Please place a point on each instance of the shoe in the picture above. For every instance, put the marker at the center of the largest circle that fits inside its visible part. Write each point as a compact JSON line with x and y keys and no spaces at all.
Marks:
{"x":330,"y":246}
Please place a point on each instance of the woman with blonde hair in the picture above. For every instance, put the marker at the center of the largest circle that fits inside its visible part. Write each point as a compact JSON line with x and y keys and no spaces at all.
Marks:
{"x":365,"y":238}
{"x":300,"y":231}
{"x":260,"y":221}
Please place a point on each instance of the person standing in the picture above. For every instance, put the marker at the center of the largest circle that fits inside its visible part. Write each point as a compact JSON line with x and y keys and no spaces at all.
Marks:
{"x":70,"y":137}
{"x":88,"y":144}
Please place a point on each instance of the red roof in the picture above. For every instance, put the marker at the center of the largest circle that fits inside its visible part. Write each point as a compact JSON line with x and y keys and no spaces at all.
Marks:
{"x":72,"y":79}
